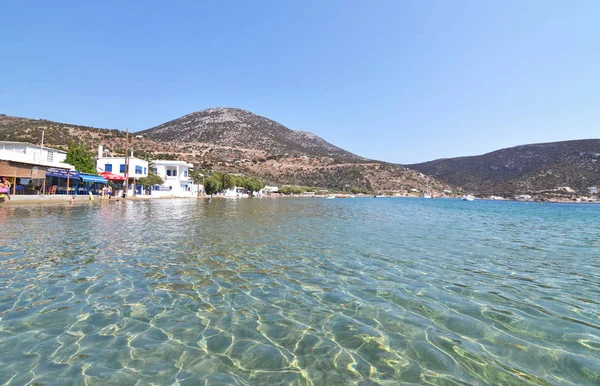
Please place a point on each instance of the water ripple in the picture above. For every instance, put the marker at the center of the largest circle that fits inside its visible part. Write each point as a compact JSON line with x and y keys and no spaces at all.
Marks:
{"x":300,"y":292}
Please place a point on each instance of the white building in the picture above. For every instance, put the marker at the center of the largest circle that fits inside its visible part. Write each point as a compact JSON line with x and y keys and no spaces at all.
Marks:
{"x":27,"y":153}
{"x":22,"y":162}
{"x":138,"y":168}
{"x":269,"y":189}
{"x":177,"y":179}
{"x":523,"y":197}
{"x":235,"y":192}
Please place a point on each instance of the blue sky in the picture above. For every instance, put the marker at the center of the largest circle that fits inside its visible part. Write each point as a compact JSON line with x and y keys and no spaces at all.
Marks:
{"x":400,"y":81}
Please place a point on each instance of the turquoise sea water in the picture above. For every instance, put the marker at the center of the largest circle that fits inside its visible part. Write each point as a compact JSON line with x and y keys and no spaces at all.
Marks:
{"x":300,"y":291}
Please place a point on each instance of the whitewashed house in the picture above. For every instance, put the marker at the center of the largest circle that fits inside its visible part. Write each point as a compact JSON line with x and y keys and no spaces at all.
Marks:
{"x":22,"y":162}
{"x":27,"y":153}
{"x":138,"y":168}
{"x":177,"y":179}
{"x":269,"y":190}
{"x":235,"y":192}
{"x":523,"y":197}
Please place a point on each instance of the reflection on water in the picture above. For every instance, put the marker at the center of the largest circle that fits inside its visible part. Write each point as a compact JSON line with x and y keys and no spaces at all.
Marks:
{"x":364,"y":291}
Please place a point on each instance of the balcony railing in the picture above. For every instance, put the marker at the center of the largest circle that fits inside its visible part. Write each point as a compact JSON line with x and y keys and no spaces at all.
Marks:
{"x":175,"y":178}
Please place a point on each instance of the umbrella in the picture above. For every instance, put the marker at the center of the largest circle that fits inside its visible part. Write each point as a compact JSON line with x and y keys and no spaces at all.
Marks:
{"x":112,"y":177}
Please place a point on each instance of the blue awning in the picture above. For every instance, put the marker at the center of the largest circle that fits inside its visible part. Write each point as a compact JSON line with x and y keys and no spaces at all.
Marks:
{"x":92,"y":178}
{"x":54,"y":172}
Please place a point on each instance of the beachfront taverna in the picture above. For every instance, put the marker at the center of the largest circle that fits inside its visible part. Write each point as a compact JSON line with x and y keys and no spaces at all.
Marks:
{"x":25,"y":165}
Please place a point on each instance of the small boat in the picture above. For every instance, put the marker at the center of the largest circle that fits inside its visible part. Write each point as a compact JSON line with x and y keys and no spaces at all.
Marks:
{"x":468,"y":197}
{"x":380,"y":196}
{"x":329,"y":197}
{"x":428,"y":193}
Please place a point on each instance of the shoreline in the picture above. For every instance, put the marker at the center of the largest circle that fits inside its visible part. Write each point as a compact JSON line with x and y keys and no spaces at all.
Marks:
{"x":62,"y":199}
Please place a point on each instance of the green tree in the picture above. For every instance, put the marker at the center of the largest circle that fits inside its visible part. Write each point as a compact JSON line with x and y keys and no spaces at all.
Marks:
{"x":151,"y":180}
{"x":81,"y":158}
{"x":252,"y":184}
{"x":196,"y":175}
{"x":212,"y":184}
{"x":227,"y":181}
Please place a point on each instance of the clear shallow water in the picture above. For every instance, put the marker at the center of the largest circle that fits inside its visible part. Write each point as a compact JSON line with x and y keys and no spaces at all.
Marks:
{"x":312,"y":291}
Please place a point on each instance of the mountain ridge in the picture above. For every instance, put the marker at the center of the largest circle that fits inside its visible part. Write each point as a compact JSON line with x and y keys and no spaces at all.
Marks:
{"x":236,"y":127}
{"x":238,"y":141}
{"x":242,"y":142}
{"x":522,"y":169}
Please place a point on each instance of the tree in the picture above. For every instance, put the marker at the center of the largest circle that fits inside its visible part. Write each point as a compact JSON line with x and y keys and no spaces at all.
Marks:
{"x":219,"y":181}
{"x":227,"y":181}
{"x":82,"y":159}
{"x":253,"y":184}
{"x":151,"y":180}
{"x":212,"y":184}
{"x":196,"y":175}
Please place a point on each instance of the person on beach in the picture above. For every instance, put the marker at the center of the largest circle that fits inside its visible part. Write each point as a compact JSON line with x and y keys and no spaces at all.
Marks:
{"x":6,"y":185}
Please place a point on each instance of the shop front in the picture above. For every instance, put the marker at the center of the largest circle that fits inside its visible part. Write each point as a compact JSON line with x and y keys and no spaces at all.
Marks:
{"x":90,"y":183}
{"x":61,"y":181}
{"x":24,"y":178}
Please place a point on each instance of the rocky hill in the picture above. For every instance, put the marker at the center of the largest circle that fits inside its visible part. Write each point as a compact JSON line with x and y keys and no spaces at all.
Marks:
{"x":236,"y":128}
{"x":236,"y":141}
{"x":526,"y":169}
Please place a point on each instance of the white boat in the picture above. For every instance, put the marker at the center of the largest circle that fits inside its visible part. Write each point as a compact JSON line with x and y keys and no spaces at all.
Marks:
{"x":428,"y":193}
{"x":329,"y":197}
{"x":468,"y":197}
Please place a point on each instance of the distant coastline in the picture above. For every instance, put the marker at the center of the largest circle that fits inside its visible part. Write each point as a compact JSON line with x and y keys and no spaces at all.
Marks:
{"x":80,"y":200}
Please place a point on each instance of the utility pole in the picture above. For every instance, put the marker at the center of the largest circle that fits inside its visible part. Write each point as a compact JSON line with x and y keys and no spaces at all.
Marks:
{"x":126,"y":161}
{"x":42,"y":145}
{"x":42,"y":152}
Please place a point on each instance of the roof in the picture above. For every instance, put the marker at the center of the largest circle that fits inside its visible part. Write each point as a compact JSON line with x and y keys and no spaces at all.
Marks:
{"x":171,"y":162}
{"x":30,"y":144}
{"x":120,"y":157}
{"x":92,"y":178}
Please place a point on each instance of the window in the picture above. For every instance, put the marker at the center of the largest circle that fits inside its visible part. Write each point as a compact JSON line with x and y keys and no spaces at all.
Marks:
{"x":185,"y":173}
{"x":50,"y":155}
{"x":108,"y":167}
{"x":168,"y":172}
{"x":138,"y":170}
{"x":145,"y":171}
{"x":122,"y":168}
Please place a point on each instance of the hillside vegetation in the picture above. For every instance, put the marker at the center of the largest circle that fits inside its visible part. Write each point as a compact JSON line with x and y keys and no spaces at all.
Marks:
{"x":239,"y":142}
{"x":522,"y":169}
